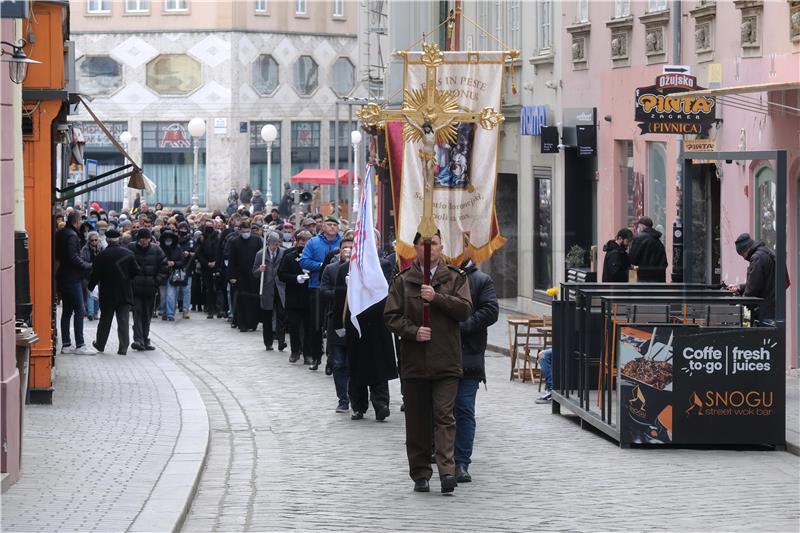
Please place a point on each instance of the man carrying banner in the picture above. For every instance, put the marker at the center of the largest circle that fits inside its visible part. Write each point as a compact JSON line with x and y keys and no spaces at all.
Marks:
{"x":431,"y":359}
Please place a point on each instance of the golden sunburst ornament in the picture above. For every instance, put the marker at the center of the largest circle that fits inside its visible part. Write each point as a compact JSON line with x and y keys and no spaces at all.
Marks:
{"x":417,"y":111}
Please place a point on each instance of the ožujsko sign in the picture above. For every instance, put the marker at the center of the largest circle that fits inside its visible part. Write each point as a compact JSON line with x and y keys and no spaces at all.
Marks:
{"x":660,"y":108}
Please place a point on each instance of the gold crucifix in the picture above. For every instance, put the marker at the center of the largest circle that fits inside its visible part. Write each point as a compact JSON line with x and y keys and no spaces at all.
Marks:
{"x":431,"y":116}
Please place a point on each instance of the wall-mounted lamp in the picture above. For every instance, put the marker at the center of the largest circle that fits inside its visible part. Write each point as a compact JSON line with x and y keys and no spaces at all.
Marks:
{"x":607,"y":118}
{"x":18,"y":63}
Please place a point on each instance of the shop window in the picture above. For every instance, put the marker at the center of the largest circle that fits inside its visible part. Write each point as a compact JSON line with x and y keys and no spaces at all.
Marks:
{"x":543,"y":230}
{"x":258,"y":161}
{"x":657,"y":184}
{"x":305,"y":145}
{"x":344,"y":77}
{"x":766,"y":198}
{"x":174,"y":74}
{"x":632,"y":182}
{"x":167,"y":159}
{"x":306,"y":73}
{"x":99,"y":75}
{"x":265,"y":75}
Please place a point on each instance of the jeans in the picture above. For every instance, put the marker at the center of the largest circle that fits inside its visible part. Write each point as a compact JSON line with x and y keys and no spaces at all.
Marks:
{"x":340,"y":371}
{"x":183,"y":293}
{"x":72,"y":299}
{"x":464,"y":411}
{"x":546,"y":365}
{"x":92,"y":306}
{"x":168,"y":292}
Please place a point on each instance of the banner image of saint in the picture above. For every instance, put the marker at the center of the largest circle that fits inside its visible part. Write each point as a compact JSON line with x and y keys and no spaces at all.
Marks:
{"x":452,"y":167}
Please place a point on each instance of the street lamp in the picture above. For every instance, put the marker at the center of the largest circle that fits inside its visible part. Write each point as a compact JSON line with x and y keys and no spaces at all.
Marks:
{"x":197,"y":128}
{"x":125,"y":138}
{"x":355,"y":140}
{"x":18,"y":68}
{"x":269,"y":133}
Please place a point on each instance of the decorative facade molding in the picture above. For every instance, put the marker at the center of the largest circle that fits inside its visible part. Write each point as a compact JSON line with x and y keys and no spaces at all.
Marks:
{"x":751,"y":27}
{"x":655,"y":30}
{"x":794,"y":22}
{"x":621,"y":29}
{"x":705,"y":17}
{"x":580,"y":44}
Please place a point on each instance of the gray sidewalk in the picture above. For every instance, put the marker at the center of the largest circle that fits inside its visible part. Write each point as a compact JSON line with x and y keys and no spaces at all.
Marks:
{"x":120,"y":449}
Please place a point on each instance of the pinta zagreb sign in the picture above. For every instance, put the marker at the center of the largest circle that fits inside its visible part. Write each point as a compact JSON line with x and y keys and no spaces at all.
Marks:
{"x":660,"y":108}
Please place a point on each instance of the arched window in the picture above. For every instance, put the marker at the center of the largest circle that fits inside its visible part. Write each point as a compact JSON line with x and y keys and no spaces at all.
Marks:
{"x":766,"y":197}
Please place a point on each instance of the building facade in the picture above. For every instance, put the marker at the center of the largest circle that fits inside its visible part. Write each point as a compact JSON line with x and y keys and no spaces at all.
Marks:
{"x":150,"y":66}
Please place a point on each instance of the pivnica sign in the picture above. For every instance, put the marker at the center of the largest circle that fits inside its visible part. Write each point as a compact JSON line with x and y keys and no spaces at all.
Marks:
{"x":660,"y":108}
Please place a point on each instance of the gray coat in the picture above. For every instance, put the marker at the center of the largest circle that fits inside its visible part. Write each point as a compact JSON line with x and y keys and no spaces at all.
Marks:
{"x":271,"y":281}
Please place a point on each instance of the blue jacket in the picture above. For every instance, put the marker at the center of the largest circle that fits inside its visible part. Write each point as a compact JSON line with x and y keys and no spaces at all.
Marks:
{"x":314,"y":255}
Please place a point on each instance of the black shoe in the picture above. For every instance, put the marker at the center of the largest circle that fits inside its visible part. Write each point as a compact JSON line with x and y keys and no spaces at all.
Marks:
{"x":422,"y":485}
{"x":315,"y":366}
{"x":210,"y":316}
{"x":220,"y":315}
{"x":462,"y":476}
{"x":382,"y":413}
{"x":329,"y":367}
{"x":233,"y":325}
{"x":96,"y":347}
{"x":403,"y":407}
{"x":164,"y":317}
{"x":149,"y":347}
{"x":268,"y":347}
{"x":136,"y":346}
{"x":294,"y":357}
{"x":122,"y":353}
{"x":358,"y":415}
{"x":433,"y":458}
{"x":89,"y":317}
{"x":449,"y":483}
{"x":281,"y":346}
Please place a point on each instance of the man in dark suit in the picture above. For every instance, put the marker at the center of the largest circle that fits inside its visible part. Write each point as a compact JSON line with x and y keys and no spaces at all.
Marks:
{"x":114,"y":268}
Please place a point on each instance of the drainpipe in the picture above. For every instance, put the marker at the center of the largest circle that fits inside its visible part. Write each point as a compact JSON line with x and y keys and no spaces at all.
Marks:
{"x":19,"y":169}
{"x":679,"y":245}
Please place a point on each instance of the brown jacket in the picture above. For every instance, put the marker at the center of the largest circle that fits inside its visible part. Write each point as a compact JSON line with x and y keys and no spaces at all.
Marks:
{"x":441,"y":356}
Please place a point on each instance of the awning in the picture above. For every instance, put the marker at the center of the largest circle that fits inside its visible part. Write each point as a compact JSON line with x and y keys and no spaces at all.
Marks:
{"x":742,"y":97}
{"x":321,"y":176}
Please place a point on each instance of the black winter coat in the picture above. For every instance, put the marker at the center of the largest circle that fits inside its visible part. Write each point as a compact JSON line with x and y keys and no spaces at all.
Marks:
{"x":114,"y":269}
{"x":370,"y":358}
{"x":485,"y":311}
{"x":208,"y":252}
{"x":240,"y":262}
{"x":71,"y":267}
{"x":333,"y":291}
{"x":761,"y":279}
{"x":648,"y":253}
{"x":289,"y":269}
{"x":172,"y":252}
{"x":616,"y":263}
{"x":152,"y":269}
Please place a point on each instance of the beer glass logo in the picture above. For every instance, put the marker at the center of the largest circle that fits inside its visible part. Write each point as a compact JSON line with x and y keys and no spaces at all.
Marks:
{"x":695,"y":403}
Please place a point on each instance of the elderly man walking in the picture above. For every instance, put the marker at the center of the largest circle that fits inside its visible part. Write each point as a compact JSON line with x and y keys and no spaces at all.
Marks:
{"x":273,"y":291}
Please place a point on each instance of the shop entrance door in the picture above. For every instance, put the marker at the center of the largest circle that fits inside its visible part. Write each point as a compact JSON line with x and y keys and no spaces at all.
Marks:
{"x":707,"y":259}
{"x":580,"y":192}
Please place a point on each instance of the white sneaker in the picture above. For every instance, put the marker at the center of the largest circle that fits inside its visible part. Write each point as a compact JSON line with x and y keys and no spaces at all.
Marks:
{"x":68,"y":349}
{"x":85,"y":350}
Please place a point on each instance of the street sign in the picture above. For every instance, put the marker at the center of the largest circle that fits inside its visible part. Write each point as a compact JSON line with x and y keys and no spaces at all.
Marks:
{"x":676,"y":69}
{"x":91,"y":167}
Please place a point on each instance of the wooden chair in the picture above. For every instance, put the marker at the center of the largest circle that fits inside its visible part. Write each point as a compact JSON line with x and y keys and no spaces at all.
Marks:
{"x":537,"y":337}
{"x":516,"y":338}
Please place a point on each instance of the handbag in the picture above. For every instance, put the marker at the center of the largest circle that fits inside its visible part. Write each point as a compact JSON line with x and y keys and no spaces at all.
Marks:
{"x":178,"y":278}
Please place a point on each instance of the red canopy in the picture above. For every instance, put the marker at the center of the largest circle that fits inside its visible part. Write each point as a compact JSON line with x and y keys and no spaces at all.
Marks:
{"x":321,"y":176}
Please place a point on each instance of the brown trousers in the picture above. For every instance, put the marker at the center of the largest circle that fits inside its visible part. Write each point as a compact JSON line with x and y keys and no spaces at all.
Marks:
{"x":429,"y":419}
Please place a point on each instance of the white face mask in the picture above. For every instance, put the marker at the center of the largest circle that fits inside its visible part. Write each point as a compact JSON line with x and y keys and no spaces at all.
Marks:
{"x":168,"y":242}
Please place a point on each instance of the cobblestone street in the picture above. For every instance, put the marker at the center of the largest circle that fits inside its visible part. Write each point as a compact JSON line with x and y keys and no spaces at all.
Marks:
{"x":281,"y":458}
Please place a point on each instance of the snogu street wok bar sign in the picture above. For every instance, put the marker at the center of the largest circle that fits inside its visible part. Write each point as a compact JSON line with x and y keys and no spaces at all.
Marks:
{"x":660,"y":108}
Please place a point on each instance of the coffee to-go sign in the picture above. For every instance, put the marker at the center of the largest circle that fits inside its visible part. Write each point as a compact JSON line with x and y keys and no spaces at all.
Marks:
{"x":660,"y":108}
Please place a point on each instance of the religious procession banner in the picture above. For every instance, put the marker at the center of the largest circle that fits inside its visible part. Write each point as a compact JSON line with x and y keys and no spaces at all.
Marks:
{"x":465,"y":169}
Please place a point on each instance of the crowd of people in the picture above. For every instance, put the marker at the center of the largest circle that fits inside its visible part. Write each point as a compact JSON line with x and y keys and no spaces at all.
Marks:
{"x":252,"y":269}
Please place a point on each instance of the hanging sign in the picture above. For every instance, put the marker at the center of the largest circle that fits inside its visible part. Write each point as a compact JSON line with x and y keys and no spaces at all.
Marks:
{"x":661,"y":109}
{"x":550,"y":140}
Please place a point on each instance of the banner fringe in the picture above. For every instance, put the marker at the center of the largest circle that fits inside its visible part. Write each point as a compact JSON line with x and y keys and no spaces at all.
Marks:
{"x":407,"y":251}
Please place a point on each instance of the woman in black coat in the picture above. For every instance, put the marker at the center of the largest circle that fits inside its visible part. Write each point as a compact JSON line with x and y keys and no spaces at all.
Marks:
{"x":297,"y":303}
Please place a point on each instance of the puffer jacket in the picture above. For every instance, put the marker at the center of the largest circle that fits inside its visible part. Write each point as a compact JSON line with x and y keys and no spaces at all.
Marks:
{"x":152,"y":269}
{"x":648,"y":253}
{"x":441,"y":356}
{"x":761,"y":279}
{"x":474,"y":330}
{"x":616,"y":263}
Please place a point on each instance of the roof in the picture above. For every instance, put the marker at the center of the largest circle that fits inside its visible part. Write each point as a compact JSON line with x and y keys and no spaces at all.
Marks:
{"x":321,"y":176}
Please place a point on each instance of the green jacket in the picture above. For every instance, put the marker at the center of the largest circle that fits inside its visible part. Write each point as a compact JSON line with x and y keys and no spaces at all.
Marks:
{"x":441,"y":356}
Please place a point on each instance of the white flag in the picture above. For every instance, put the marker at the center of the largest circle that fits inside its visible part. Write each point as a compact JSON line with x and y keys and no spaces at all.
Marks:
{"x":366,"y":285}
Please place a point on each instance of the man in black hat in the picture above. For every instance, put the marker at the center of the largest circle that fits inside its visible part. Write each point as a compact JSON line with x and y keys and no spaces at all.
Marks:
{"x":760,"y":275}
{"x":113,"y":270}
{"x":152,"y":274}
{"x":648,"y":253}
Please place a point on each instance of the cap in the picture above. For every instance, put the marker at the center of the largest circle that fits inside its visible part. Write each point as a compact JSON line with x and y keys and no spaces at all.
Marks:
{"x":308,"y":221}
{"x":646,"y":221}
{"x":743,"y":243}
{"x":112,"y":234}
{"x":331,"y":218}
{"x":287,"y":225}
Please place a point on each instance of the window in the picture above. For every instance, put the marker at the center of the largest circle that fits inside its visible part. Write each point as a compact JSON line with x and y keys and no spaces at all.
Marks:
{"x":545,"y":24}
{"x":175,"y":5}
{"x":167,"y":160}
{"x":656,"y":5}
{"x":99,"y":75}
{"x":301,"y":7}
{"x":483,"y":20}
{"x":338,"y":8}
{"x":98,"y":6}
{"x":543,"y":226}
{"x":514,"y":24}
{"x":137,"y":6}
{"x":174,"y":74}
{"x":632,"y":182}
{"x":305,"y":75}
{"x":622,"y":8}
{"x":265,"y":75}
{"x":582,"y":13}
{"x":261,"y":6}
{"x":499,"y":19}
{"x":766,"y":198}
{"x":344,"y":77}
{"x":657,"y":184}
{"x":305,"y":145}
